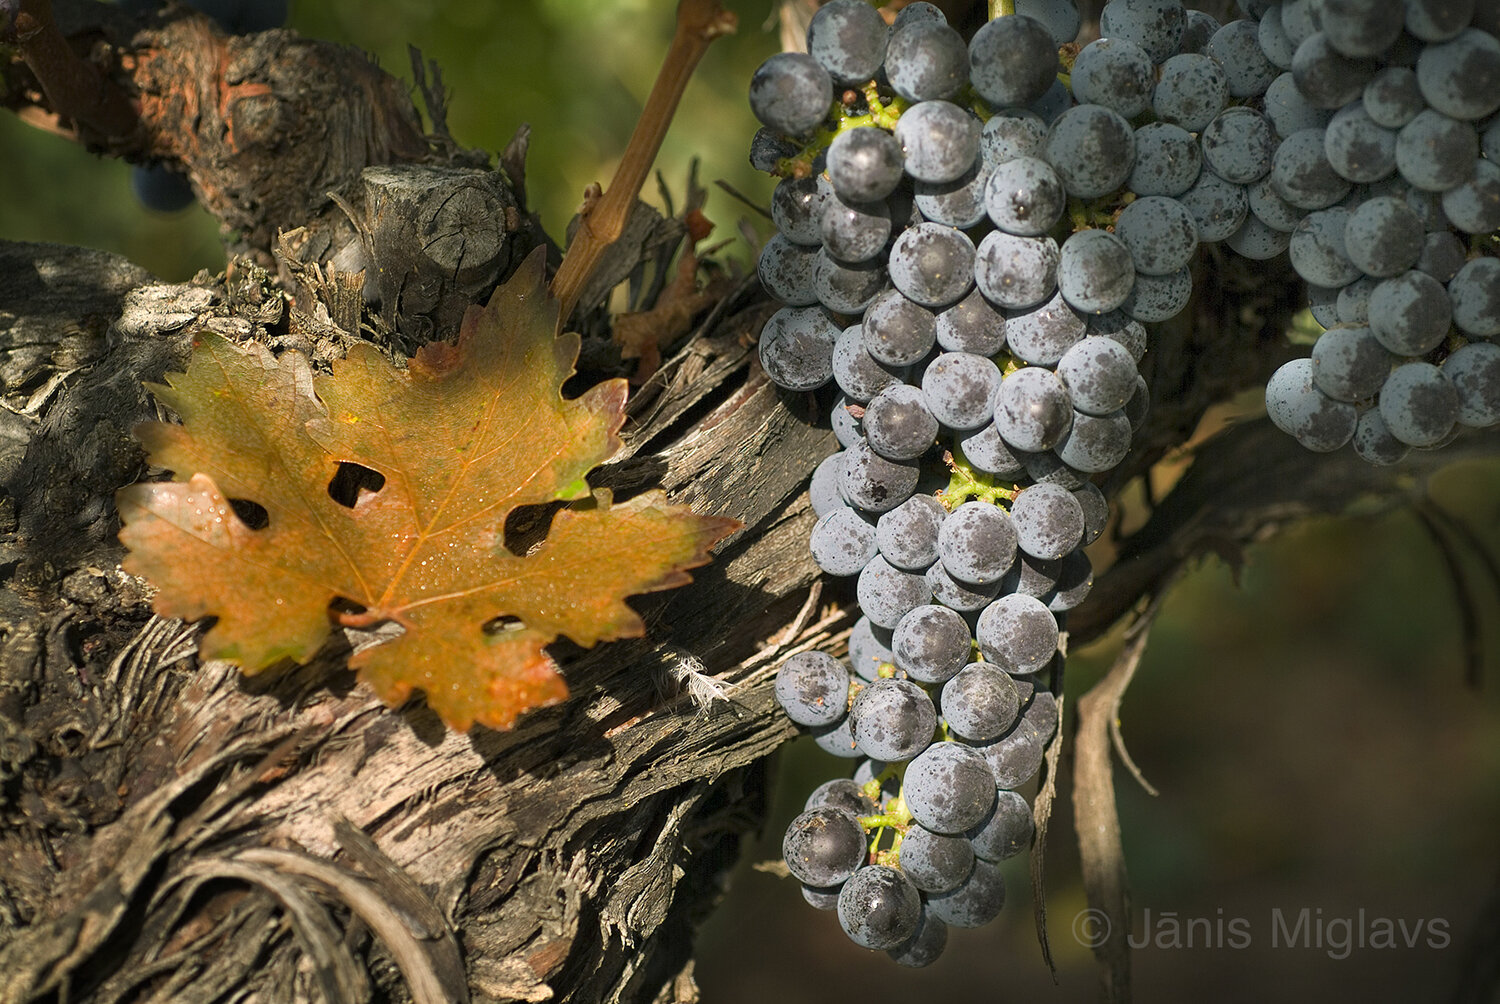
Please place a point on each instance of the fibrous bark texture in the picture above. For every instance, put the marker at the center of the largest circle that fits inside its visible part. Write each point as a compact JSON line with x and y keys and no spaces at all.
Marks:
{"x":173,"y":831}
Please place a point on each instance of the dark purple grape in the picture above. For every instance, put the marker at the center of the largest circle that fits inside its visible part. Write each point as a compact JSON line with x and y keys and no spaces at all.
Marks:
{"x":879,"y":907}
{"x":974,"y":903}
{"x":791,"y":93}
{"x":813,"y":689}
{"x":892,"y":720}
{"x":823,"y":846}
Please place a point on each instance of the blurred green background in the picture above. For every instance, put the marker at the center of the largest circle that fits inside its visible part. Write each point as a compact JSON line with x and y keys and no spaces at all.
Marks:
{"x":1308,"y":729}
{"x":577,"y":70}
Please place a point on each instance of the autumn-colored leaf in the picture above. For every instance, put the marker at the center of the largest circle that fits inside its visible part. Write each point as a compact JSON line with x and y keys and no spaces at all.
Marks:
{"x":463,"y":436}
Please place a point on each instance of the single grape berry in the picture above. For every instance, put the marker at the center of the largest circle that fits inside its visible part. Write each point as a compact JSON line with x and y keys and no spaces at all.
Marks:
{"x":948,"y":787}
{"x":879,"y":907}
{"x":824,"y":846}
{"x":892,"y":720}
{"x":813,"y":688}
{"x":791,"y":93}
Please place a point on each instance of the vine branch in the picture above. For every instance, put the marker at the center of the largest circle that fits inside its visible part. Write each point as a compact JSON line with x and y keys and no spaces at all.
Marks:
{"x":602,"y":218}
{"x":74,"y":87}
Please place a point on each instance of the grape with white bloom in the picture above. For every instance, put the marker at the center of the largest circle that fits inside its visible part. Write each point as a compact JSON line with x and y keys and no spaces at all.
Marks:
{"x":1042,"y":334}
{"x":1419,"y":403}
{"x":796,"y":347}
{"x":977,"y":542}
{"x":1297,"y":407}
{"x":879,"y":907}
{"x":892,"y":720}
{"x":791,"y":93}
{"x":948,"y":787}
{"x":1474,"y":371}
{"x":1160,"y":233}
{"x":1013,"y":60}
{"x":813,"y":688}
{"x":931,"y":643}
{"x":1475,"y":292}
{"x":936,"y":862}
{"x":898,"y":424}
{"x":975,"y":902}
{"x":848,"y":39}
{"x":981,"y":702}
{"x":1018,"y":633}
{"x":1032,"y":409}
{"x":1092,"y":148}
{"x":843,"y":542}
{"x":1095,"y":271}
{"x":1116,"y":73}
{"x":940,"y":141}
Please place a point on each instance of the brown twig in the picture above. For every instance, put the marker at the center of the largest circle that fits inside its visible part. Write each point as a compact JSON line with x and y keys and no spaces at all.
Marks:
{"x":1462,"y":539}
{"x":602,"y":219}
{"x":1106,"y":926}
{"x":1046,"y":798}
{"x":75,"y":88}
{"x":1245,"y":482}
{"x":1463,"y":596}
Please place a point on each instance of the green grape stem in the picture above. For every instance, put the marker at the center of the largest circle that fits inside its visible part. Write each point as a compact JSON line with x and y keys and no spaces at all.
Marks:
{"x":1097,"y":214}
{"x":896,"y":816}
{"x":881,"y":113}
{"x":966,"y":483}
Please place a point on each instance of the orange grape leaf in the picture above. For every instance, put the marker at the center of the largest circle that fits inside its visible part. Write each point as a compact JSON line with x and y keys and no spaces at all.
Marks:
{"x":463,"y":436}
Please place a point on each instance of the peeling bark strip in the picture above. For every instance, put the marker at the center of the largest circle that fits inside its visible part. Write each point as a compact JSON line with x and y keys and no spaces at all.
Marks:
{"x":1101,"y":853}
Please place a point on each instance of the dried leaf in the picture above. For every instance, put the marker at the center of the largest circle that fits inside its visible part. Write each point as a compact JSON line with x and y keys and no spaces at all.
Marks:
{"x":641,"y":334}
{"x":463,"y":436}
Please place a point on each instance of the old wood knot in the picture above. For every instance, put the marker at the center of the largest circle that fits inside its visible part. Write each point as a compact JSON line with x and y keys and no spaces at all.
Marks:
{"x":466,"y":235}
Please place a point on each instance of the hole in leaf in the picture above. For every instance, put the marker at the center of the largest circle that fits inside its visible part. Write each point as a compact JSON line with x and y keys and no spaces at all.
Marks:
{"x":252,"y":514}
{"x":505,"y":622}
{"x":527,"y":525}
{"x":372,"y":627}
{"x":352,"y":479}
{"x":344,"y":605}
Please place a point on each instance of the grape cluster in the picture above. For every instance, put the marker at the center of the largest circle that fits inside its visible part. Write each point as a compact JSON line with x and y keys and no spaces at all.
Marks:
{"x":946,"y":274}
{"x":1387,"y":183}
{"x":972,"y":238}
{"x":912,"y":842}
